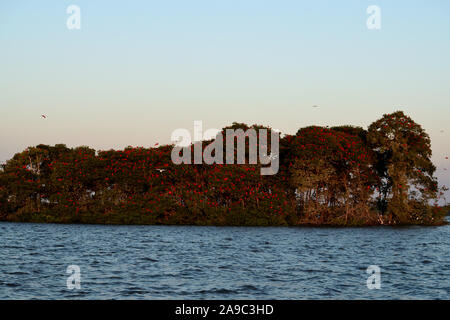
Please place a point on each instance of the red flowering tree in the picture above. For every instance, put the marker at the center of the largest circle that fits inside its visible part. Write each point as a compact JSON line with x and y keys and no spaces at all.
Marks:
{"x":331,"y":173}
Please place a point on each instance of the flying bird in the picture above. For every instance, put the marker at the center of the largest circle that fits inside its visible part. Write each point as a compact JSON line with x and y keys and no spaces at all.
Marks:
{"x":314,"y":106}
{"x":43,"y":116}
{"x":161,"y":170}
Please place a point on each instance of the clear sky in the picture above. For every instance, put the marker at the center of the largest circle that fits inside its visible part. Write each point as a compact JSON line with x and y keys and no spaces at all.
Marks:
{"x":137,"y":70}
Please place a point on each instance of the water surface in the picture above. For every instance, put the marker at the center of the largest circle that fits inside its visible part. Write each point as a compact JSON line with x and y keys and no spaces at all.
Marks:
{"x":186,"y":262}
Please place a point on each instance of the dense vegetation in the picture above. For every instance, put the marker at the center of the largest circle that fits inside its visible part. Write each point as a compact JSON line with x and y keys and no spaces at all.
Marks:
{"x":328,"y":176}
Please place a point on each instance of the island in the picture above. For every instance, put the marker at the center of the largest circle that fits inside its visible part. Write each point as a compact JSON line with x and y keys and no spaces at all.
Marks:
{"x":327,"y":176}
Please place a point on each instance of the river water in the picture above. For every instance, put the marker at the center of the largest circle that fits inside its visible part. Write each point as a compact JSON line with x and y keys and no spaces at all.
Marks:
{"x":187,"y":262}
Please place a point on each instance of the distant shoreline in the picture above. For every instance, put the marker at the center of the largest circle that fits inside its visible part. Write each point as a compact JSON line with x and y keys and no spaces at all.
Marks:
{"x":443,"y":222}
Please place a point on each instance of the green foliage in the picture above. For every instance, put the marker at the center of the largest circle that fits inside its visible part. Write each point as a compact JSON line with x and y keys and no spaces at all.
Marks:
{"x":328,"y":176}
{"x":403,"y":153}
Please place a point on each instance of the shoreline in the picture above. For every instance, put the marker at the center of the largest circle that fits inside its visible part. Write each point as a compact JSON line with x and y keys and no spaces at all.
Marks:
{"x":445,"y":222}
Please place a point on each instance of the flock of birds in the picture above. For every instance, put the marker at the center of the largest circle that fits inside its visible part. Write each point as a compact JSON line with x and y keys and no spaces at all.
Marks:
{"x":43,"y":116}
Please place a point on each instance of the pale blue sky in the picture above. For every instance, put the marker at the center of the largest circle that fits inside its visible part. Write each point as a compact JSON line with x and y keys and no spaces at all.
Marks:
{"x":137,"y":70}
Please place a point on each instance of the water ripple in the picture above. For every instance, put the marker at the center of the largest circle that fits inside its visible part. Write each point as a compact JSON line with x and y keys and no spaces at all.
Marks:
{"x":182,"y":262}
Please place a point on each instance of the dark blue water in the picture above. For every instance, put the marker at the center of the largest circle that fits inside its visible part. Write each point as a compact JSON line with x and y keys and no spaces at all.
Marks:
{"x":177,"y":262}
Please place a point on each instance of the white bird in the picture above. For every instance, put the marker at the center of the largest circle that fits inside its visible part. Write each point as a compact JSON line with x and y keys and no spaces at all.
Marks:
{"x":161,"y":170}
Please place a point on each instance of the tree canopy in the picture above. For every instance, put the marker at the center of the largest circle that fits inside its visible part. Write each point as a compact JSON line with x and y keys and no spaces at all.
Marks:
{"x":328,"y":176}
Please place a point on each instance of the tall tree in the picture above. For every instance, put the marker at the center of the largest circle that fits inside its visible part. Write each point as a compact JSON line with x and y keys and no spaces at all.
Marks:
{"x":404,"y":164}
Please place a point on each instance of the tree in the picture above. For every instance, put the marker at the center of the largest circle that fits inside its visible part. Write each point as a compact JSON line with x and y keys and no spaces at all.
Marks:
{"x":403,"y":163}
{"x":326,"y":176}
{"x":331,"y":174}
